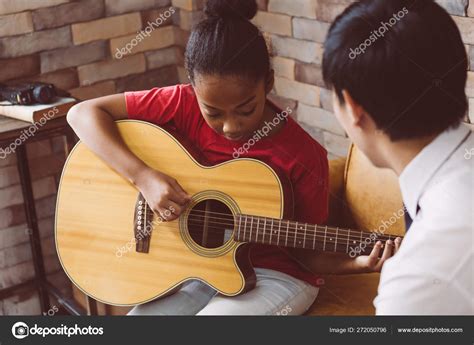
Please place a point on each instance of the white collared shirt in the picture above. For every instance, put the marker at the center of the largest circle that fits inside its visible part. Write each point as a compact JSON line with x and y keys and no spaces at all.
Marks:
{"x":432,"y":273}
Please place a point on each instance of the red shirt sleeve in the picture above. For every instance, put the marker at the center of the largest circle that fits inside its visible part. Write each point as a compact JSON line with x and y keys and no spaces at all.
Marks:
{"x":174,"y":107}
{"x":158,"y":105}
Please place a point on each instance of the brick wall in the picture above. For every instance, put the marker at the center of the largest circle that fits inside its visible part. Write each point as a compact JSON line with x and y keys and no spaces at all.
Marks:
{"x":46,"y":159}
{"x":79,"y":46}
{"x":296,"y":30}
{"x":72,"y":44}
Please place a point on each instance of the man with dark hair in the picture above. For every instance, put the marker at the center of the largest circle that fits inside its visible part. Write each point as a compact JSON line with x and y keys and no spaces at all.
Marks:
{"x":397,"y":69}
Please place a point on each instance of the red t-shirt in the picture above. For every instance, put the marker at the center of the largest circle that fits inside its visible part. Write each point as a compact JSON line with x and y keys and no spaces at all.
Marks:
{"x":292,"y":151}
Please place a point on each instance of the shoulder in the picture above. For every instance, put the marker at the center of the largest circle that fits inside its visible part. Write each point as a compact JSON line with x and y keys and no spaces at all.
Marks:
{"x":179,"y":92}
{"x":162,"y":105}
{"x":306,"y":150}
{"x":436,"y":256}
{"x":187,"y":89}
{"x":449,"y":195}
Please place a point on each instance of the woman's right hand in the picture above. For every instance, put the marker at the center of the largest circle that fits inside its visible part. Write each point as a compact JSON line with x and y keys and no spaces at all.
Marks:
{"x":163,"y":193}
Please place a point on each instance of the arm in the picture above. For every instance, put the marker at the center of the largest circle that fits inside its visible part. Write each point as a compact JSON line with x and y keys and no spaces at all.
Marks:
{"x":94,"y":123}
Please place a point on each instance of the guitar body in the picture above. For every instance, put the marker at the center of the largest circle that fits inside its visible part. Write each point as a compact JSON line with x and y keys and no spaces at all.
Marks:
{"x":97,"y":213}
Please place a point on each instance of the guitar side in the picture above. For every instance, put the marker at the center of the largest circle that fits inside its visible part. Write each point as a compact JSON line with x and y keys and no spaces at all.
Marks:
{"x":95,"y":221}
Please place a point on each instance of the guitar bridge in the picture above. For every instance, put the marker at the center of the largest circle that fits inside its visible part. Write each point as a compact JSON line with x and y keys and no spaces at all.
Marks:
{"x":142,"y":225}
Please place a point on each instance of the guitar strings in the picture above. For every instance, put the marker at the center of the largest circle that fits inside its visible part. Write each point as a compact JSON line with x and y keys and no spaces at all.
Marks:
{"x":301,"y":228}
{"x":291,"y":241}
{"x":293,"y":236}
{"x":299,"y":231}
{"x":328,"y":229}
{"x":290,"y":237}
{"x":291,"y":225}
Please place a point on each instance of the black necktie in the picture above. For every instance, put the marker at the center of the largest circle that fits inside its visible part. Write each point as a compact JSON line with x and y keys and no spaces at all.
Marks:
{"x":408,"y":220}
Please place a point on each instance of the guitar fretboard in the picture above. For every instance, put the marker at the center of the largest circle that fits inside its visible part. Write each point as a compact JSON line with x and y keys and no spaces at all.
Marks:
{"x":287,"y":233}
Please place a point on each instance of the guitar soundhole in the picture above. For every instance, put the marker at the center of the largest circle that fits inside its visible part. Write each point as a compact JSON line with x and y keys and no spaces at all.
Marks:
{"x":210,"y":223}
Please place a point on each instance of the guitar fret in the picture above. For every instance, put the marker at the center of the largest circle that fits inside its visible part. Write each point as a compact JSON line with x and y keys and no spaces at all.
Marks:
{"x":279,"y":226}
{"x":245,"y":230}
{"x":296,"y":234}
{"x":304,"y":238}
{"x":335,"y":242}
{"x":238,"y":232}
{"x":348,"y":236}
{"x":245,"y":227}
{"x":264,"y":225}
{"x":324,"y":244}
{"x":251,"y":226}
{"x":271,"y":231}
{"x":287,"y":228}
{"x":314,"y":236}
{"x":256,"y":234}
{"x":360,"y":239}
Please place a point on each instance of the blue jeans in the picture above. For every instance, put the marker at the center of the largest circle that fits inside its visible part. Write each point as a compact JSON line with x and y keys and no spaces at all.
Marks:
{"x":275,"y":293}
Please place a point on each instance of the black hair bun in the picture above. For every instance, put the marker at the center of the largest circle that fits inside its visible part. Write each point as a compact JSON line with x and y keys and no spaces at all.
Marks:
{"x":243,"y":9}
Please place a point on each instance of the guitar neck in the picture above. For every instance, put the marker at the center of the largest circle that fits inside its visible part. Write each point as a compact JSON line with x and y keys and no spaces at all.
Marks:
{"x":287,"y":233}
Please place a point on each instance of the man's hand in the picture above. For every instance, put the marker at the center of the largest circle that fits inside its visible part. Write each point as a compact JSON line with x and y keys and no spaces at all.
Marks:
{"x":338,"y":263}
{"x":372,"y":262}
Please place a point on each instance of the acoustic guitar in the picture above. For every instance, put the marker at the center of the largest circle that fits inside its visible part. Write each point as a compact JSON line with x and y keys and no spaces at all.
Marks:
{"x":117,"y":250}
